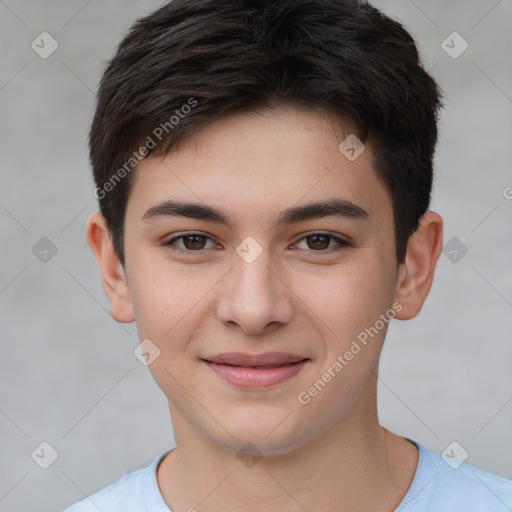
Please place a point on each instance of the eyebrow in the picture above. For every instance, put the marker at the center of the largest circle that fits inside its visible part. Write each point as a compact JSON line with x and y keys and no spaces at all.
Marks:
{"x":335,"y":207}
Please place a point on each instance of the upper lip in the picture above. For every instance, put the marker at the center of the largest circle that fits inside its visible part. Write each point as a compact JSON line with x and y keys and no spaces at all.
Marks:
{"x":266,"y":359}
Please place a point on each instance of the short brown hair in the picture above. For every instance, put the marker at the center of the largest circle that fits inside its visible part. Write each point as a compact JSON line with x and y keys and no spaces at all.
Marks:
{"x":192,"y":61}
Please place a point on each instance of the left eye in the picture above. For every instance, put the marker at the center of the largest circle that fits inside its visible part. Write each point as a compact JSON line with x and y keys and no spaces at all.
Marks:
{"x":321,"y":241}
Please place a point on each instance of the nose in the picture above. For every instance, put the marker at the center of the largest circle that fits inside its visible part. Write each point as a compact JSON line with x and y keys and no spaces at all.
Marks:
{"x":254,"y":296}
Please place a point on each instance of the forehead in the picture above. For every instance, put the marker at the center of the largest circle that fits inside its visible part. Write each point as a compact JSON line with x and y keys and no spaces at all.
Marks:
{"x":262,"y":162}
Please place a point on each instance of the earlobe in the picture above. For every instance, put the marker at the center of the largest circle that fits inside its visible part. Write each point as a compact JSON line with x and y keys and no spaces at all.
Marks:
{"x":115,"y":283}
{"x":416,"y":274}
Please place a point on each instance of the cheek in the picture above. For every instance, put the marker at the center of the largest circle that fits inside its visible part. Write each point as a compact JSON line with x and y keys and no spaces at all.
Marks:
{"x":171,"y":302}
{"x":347,"y":298}
{"x":167,"y":297}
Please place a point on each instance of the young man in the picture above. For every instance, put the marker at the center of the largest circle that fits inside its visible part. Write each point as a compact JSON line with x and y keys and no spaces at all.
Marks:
{"x":264,"y":172}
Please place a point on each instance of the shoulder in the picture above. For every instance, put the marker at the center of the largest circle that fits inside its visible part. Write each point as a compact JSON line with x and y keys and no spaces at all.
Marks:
{"x":135,"y":491}
{"x":445,"y":484}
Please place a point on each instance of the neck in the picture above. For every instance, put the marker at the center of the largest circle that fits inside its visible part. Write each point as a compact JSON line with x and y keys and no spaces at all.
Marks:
{"x":355,"y":465}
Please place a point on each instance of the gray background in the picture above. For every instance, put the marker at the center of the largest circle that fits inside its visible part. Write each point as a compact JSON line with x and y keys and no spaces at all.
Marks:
{"x":68,"y":374}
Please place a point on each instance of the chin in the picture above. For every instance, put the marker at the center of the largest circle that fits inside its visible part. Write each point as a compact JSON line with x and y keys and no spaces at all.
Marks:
{"x":260,"y":434}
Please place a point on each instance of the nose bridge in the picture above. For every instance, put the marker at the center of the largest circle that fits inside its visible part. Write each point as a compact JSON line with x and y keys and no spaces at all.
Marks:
{"x":253,"y":278}
{"x":253,"y":296}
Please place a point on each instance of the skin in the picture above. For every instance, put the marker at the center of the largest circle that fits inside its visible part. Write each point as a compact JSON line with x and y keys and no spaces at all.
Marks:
{"x":298,"y":297}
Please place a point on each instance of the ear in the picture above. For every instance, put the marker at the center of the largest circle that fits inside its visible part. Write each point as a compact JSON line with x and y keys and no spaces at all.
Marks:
{"x":416,"y":274}
{"x":112,"y":273}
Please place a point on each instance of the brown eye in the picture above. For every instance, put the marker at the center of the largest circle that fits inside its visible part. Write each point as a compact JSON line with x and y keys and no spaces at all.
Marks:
{"x":319,"y":242}
{"x":323,"y":242}
{"x":190,"y":242}
{"x":194,"y":242}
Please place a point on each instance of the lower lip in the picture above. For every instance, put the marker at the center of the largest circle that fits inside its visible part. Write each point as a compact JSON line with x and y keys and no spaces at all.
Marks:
{"x":249,"y":377}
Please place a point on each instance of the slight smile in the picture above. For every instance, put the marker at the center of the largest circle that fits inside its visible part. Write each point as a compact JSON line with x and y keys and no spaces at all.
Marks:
{"x":256,"y":371}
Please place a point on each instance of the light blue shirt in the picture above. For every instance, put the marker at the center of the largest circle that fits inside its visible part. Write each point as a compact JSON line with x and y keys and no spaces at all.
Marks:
{"x":438,"y":486}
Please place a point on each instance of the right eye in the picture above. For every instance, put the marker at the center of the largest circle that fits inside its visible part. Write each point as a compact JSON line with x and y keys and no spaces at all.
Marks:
{"x":191,"y":242}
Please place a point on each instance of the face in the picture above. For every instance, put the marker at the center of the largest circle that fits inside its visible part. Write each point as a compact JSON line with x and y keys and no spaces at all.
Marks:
{"x":249,"y":274}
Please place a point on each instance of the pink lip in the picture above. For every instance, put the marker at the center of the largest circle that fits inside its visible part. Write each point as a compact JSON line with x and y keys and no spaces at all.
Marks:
{"x":265,"y":359}
{"x":248,"y":370}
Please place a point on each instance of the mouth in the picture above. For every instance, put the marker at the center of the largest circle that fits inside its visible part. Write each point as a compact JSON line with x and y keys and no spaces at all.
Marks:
{"x":250,"y":371}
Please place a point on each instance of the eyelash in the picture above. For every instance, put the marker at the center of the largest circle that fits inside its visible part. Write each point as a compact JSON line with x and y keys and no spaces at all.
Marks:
{"x":341,"y":243}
